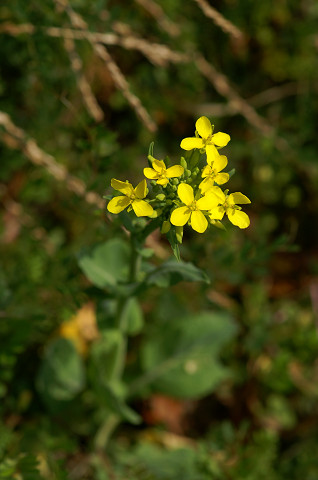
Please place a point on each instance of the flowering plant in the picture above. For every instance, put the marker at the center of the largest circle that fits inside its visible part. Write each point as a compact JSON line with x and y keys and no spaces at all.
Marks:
{"x":187,"y":193}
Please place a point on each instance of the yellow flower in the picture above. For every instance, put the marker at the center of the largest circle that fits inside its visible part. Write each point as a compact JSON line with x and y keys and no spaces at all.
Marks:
{"x":161,"y":173}
{"x":232,"y":210}
{"x":132,"y":196}
{"x":211,"y":173}
{"x":204,"y":129}
{"x":192,"y":211}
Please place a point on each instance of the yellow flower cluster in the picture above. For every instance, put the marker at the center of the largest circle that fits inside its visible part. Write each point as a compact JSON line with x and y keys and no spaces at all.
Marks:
{"x":188,"y":193}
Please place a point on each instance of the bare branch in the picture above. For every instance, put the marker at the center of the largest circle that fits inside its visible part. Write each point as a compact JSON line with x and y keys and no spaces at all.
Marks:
{"x":118,"y":77}
{"x":15,"y":137}
{"x":158,"y":14}
{"x":89,"y":99}
{"x":220,"y":21}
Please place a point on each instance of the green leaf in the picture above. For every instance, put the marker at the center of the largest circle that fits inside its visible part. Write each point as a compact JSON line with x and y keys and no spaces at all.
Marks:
{"x":150,"y":150}
{"x":173,"y":271}
{"x":103,"y":373}
{"x":172,"y":238}
{"x":157,"y":463}
{"x":106,"y":264}
{"x":231,"y":172}
{"x":103,"y":356}
{"x":133,"y":317}
{"x":61,"y":375}
{"x":183,"y":360}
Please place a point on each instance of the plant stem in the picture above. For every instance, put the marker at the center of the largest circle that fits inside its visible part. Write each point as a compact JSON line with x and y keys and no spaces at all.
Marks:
{"x":113,"y":420}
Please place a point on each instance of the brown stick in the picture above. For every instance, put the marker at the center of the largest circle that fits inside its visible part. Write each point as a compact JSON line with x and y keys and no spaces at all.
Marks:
{"x":118,"y":77}
{"x":158,"y":14}
{"x":15,"y":137}
{"x":84,"y":87}
{"x":219,"y":20}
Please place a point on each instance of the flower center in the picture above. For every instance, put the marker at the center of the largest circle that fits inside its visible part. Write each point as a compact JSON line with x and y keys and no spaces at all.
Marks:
{"x":193,"y":207}
{"x":207,"y":140}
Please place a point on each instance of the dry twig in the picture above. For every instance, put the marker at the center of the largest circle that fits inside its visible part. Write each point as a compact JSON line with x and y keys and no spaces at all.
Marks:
{"x":117,"y":76}
{"x":158,"y":14}
{"x":261,"y":99}
{"x":15,"y":137}
{"x":77,"y":65}
{"x":237,"y":103}
{"x":157,"y":53}
{"x":160,"y":54}
{"x":219,"y":20}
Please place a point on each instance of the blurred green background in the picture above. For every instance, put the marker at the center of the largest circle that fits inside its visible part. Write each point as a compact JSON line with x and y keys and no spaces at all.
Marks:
{"x":73,"y":115}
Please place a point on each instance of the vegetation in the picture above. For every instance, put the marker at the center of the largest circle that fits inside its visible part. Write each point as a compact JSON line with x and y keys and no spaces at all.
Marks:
{"x":117,"y":359}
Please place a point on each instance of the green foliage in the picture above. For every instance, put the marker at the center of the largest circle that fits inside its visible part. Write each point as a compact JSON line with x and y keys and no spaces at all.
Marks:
{"x":106,"y":264}
{"x":172,"y":271}
{"x":182,"y":360}
{"x":103,"y":373}
{"x":61,"y":376}
{"x":233,"y":361}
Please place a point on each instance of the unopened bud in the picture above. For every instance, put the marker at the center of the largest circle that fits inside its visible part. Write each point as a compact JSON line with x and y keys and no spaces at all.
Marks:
{"x":183,"y":163}
{"x":165,"y":226}
{"x":179,"y":234}
{"x":160,"y":197}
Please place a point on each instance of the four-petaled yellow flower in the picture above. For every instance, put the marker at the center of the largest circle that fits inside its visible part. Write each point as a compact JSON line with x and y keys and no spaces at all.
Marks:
{"x":161,"y":173}
{"x":211,"y":173}
{"x":232,"y":210}
{"x":204,"y":129}
{"x":132,"y":196}
{"x":192,"y":211}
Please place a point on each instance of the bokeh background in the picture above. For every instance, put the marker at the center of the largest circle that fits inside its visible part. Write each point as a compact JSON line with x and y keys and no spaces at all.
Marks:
{"x":85,"y":87}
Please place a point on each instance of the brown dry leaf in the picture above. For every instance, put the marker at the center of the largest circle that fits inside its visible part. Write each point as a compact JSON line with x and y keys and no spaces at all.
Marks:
{"x":166,"y":410}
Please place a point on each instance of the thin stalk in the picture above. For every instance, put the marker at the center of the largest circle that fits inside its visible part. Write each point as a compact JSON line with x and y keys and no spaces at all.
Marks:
{"x":112,"y":421}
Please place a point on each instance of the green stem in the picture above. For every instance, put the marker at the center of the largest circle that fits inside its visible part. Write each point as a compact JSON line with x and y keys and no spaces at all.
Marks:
{"x":112,"y":421}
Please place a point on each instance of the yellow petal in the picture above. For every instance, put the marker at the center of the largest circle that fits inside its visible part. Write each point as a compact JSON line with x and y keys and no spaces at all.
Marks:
{"x":217,"y":213}
{"x":198,"y":221}
{"x":142,"y":208}
{"x":204,"y":127}
{"x":175,"y":171}
{"x":210,"y":200}
{"x":141,"y":190}
{"x":206,"y":184}
{"x":185,"y":193}
{"x":221,"y":139}
{"x":211,"y":153}
{"x":180,"y":216}
{"x":218,"y":192}
{"x":163,"y":181}
{"x":238,"y":197}
{"x":150,"y":173}
{"x":207,"y":170}
{"x":219,"y":163}
{"x":159,"y":165}
{"x":118,"y":204}
{"x":124,"y":187}
{"x":191,"y":142}
{"x":238,"y":218}
{"x":222,"y":178}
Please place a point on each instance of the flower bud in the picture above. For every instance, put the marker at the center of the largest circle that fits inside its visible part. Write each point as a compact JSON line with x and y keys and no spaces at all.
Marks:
{"x":183,"y":163}
{"x":165,"y":226}
{"x":160,"y":197}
